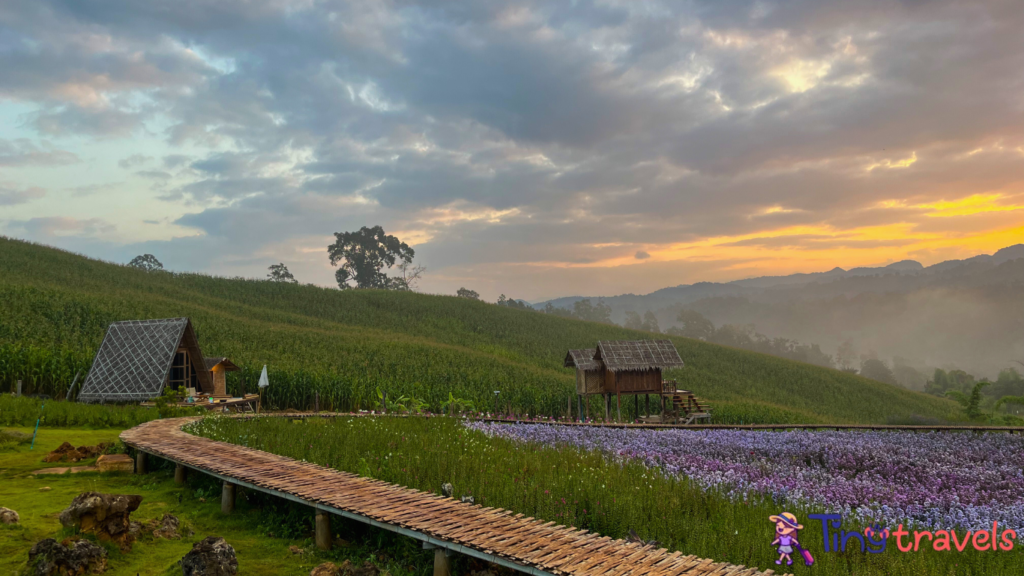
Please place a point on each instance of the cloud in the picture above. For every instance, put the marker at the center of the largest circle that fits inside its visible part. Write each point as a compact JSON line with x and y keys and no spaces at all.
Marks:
{"x":23,"y":152}
{"x":540,"y":137}
{"x":48,"y":228}
{"x":133,"y":161}
{"x":11,"y":196}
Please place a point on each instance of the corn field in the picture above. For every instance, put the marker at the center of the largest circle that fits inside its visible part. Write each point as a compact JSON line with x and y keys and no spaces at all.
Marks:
{"x":344,"y":345}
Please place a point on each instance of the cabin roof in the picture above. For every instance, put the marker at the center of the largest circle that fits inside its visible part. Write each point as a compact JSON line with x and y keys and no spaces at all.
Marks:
{"x":135,"y":358}
{"x":229,"y":366}
{"x":619,"y":355}
{"x":582,"y":359}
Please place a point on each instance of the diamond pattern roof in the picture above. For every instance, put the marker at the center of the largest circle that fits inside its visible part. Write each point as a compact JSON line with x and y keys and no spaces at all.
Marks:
{"x":133,"y":361}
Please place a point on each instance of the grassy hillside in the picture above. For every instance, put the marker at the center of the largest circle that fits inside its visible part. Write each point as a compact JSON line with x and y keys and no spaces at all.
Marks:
{"x":56,"y":306}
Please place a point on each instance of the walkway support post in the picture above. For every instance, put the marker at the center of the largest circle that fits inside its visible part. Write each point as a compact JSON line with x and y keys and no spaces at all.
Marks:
{"x":442,"y":562}
{"x":179,"y":474}
{"x":323,"y":530}
{"x":140,"y":462}
{"x":227,"y":498}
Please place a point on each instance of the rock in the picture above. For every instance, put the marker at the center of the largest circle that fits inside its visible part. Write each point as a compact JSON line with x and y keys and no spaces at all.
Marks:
{"x":367,"y":569}
{"x":326,"y":569}
{"x":49,"y":558}
{"x":115,"y":463}
{"x":210,"y":557}
{"x":296,"y":550}
{"x":68,"y":453}
{"x":168,"y":528}
{"x":106,"y":515}
{"x":446,"y":490}
{"x":45,"y":489}
{"x":8,"y":516}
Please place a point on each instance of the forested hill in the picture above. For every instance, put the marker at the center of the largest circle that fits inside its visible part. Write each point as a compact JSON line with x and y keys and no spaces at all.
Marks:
{"x":348,"y":344}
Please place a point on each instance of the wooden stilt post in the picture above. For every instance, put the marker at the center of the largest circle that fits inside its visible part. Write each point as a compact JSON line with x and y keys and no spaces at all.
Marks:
{"x":579,"y":407}
{"x":647,"y":401}
{"x":588,"y":407}
{"x":442,"y":565}
{"x":636,"y":406}
{"x":323,"y":530}
{"x":140,"y":462}
{"x":227,"y":498}
{"x":618,"y":407}
{"x":179,"y":474}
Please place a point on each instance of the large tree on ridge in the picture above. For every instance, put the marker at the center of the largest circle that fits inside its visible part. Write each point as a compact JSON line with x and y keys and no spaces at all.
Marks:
{"x":364,"y":255}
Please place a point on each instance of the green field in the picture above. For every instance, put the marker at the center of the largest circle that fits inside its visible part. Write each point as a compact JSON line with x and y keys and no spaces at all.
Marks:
{"x":347,"y":344}
{"x":260,"y":530}
{"x":579,"y":488}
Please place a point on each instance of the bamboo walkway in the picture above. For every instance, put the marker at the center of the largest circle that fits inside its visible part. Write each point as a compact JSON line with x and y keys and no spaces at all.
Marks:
{"x":493,"y":534}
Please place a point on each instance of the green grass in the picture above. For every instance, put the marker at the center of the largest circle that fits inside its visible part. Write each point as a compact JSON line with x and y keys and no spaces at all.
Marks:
{"x":26,"y":411}
{"x":578,"y":488}
{"x":575,"y":487}
{"x":248,"y":530}
{"x":347,"y":344}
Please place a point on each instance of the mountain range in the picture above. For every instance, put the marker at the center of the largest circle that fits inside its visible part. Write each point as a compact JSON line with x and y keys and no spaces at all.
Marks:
{"x":966,"y":314}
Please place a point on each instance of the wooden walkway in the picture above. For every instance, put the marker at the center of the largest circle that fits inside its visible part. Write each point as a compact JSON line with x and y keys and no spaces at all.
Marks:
{"x":492,"y":534}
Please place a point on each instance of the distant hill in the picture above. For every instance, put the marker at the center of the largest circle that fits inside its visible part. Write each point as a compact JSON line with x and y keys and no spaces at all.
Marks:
{"x":348,"y":344}
{"x":964,"y":313}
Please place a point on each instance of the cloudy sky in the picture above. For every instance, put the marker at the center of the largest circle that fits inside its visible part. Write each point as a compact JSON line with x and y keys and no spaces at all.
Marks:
{"x":536,"y":149}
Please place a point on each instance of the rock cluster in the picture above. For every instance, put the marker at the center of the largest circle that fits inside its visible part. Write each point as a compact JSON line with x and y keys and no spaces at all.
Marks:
{"x":68,"y":453}
{"x":8,"y":516}
{"x":168,"y":527}
{"x":210,"y":557}
{"x":105,"y":515}
{"x":51,"y":558}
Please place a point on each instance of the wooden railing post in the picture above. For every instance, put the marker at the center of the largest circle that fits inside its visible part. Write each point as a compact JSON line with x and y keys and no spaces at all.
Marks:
{"x":227,"y":498}
{"x":323,"y":530}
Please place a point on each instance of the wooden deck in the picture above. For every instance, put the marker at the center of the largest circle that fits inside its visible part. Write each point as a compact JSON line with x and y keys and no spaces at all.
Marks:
{"x":492,"y":534}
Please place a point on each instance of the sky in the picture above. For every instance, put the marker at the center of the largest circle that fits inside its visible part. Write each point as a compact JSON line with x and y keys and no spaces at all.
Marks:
{"x":537,"y":149}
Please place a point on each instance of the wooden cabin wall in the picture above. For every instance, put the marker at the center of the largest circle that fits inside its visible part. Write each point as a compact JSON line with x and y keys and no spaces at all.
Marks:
{"x":589,"y":382}
{"x":219,"y":381}
{"x":633,"y":381}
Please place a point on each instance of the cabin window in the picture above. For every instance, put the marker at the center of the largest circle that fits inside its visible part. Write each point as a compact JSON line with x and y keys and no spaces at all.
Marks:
{"x":182,"y":375}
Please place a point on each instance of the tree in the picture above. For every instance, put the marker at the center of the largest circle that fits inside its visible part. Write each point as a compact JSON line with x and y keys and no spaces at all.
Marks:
{"x":972,"y":403}
{"x":513,"y":303}
{"x":600,"y":312}
{"x":693,"y":324}
{"x":364,"y":255}
{"x":550,"y":308}
{"x":633,"y":321}
{"x":650,"y":323}
{"x":877,"y":370}
{"x":146,"y":262}
{"x":846,"y":355}
{"x":280,"y":273}
{"x":408,"y":278}
{"x":467,"y":293}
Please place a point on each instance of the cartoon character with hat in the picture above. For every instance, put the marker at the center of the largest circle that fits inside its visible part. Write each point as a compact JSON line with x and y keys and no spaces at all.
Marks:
{"x":786,"y":528}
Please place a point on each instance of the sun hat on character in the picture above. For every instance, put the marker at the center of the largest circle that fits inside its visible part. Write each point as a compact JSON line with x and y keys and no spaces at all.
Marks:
{"x":787,"y":519}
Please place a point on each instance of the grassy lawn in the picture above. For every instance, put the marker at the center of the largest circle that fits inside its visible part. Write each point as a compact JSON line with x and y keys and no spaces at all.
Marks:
{"x":246,"y":530}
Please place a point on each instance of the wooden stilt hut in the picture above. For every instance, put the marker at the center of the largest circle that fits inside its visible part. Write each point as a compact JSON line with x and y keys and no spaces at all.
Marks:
{"x":631,"y":368}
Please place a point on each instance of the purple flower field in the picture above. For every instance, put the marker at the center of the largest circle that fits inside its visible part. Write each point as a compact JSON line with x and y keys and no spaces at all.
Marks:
{"x":936,"y":480}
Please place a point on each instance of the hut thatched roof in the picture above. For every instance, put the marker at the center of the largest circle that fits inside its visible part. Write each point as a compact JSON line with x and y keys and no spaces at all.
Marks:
{"x":135,"y":358}
{"x":618,"y":355}
{"x":582,"y":359}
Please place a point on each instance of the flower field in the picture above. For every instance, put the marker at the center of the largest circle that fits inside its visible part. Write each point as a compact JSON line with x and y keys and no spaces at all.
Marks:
{"x":612,"y":481}
{"x":935,"y":480}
